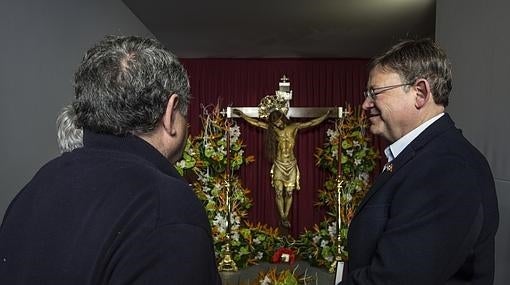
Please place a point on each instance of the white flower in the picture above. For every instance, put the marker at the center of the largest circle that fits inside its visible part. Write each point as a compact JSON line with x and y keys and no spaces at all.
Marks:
{"x":266,"y":281}
{"x":259,"y":255}
{"x":235,"y":236}
{"x":349,"y":152}
{"x":332,"y":230}
{"x":355,"y":143}
{"x":316,"y":239}
{"x":235,"y":221}
{"x":329,"y":258}
{"x":324,"y":243}
{"x":330,"y":133}
{"x":206,"y":189}
{"x":220,"y":222}
{"x":357,"y":161}
{"x":180,"y":164}
{"x":235,"y":132}
{"x":256,"y":240}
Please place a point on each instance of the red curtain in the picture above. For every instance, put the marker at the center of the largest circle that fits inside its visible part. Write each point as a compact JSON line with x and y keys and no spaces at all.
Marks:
{"x":242,"y":83}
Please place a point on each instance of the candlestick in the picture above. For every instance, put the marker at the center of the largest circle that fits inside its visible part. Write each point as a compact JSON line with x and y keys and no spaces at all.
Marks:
{"x":227,"y":263}
{"x":227,"y":170}
{"x":337,"y":264}
{"x":339,"y":154}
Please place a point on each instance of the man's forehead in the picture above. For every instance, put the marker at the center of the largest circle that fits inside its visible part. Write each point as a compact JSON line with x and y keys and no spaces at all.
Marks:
{"x":378,"y":75}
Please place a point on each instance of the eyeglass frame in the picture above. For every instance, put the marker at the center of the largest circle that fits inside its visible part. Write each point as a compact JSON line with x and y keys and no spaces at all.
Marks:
{"x":371,"y":92}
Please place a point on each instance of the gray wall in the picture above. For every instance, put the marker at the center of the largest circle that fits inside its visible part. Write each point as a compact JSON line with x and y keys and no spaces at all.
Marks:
{"x":476,"y":36}
{"x":41,"y":44}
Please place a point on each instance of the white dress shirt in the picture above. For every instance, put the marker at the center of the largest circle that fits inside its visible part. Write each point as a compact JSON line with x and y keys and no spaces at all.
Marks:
{"x":393,"y":150}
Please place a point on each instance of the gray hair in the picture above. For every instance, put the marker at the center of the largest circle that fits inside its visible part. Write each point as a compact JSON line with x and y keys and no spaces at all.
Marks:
{"x":69,"y":136}
{"x":124,"y":83}
{"x":415,"y":59}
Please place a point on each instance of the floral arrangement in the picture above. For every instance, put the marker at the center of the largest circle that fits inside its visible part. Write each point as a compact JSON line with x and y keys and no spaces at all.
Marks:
{"x":282,"y":277}
{"x":205,"y":157}
{"x":320,"y":244}
{"x":273,"y":277}
{"x":255,"y":243}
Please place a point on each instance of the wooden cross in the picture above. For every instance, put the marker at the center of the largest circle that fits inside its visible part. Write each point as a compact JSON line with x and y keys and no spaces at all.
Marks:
{"x":294,"y":112}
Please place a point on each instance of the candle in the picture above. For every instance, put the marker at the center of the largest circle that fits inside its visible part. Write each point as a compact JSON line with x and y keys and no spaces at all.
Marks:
{"x":339,"y":154}
{"x":227,"y":170}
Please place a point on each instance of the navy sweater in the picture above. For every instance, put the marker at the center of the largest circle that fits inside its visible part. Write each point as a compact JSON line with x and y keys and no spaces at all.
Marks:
{"x":112,"y":212}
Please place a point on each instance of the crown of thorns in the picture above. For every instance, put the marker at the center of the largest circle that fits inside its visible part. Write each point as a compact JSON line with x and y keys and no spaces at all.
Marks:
{"x":272,"y":103}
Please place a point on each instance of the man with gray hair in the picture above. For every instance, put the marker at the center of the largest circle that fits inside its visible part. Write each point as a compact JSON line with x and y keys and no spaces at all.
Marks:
{"x":431,"y":216}
{"x":69,"y":136}
{"x":115,"y":211}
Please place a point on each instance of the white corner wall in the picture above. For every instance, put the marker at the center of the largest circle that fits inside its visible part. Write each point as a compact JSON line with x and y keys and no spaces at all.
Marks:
{"x":41,"y":45}
{"x":476,"y":36}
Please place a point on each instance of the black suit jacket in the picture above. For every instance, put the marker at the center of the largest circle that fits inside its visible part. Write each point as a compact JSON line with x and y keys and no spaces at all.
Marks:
{"x":431,"y":220}
{"x":112,"y":212}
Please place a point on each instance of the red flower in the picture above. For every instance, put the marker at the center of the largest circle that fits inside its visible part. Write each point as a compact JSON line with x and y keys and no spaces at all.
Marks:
{"x":284,"y":255}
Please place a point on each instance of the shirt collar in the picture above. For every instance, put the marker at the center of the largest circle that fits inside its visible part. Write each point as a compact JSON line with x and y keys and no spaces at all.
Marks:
{"x":393,"y":150}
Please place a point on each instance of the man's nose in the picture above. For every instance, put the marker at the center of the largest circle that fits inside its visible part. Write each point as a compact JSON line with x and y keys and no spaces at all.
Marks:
{"x":367,"y":104}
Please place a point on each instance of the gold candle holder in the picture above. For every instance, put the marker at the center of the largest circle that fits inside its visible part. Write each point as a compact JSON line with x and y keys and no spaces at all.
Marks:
{"x":227,"y":263}
{"x":338,"y":257}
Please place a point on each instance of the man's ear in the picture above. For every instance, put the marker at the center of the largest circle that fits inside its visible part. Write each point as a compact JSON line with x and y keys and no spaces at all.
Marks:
{"x":168,"y":119}
{"x":423,"y":94}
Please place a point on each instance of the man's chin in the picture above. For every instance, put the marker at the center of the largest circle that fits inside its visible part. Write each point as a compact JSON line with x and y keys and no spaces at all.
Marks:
{"x":375,"y":129}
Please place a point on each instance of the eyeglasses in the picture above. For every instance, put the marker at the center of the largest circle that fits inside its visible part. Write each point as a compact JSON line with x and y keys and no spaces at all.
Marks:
{"x":372,"y":92}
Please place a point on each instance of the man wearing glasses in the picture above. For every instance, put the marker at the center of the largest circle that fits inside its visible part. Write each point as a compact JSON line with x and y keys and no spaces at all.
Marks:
{"x":432,"y":214}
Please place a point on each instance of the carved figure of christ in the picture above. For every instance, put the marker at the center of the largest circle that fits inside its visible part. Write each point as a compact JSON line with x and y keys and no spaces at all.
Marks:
{"x":280,"y":141}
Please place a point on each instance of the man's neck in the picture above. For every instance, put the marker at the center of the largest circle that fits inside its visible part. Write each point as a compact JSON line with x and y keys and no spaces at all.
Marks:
{"x":153,"y":139}
{"x":393,"y":150}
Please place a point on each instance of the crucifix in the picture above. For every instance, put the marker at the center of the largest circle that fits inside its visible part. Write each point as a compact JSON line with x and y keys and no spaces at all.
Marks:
{"x":273,"y":114}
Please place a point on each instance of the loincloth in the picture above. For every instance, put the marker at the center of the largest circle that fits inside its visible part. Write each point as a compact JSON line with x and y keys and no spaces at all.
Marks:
{"x":285,"y":172}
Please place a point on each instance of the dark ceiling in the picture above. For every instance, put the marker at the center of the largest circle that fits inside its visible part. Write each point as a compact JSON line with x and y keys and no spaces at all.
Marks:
{"x":282,"y":28}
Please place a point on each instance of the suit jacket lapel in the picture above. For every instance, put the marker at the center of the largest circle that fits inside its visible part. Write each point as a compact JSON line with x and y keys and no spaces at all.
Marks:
{"x":441,"y":125}
{"x":396,"y":164}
